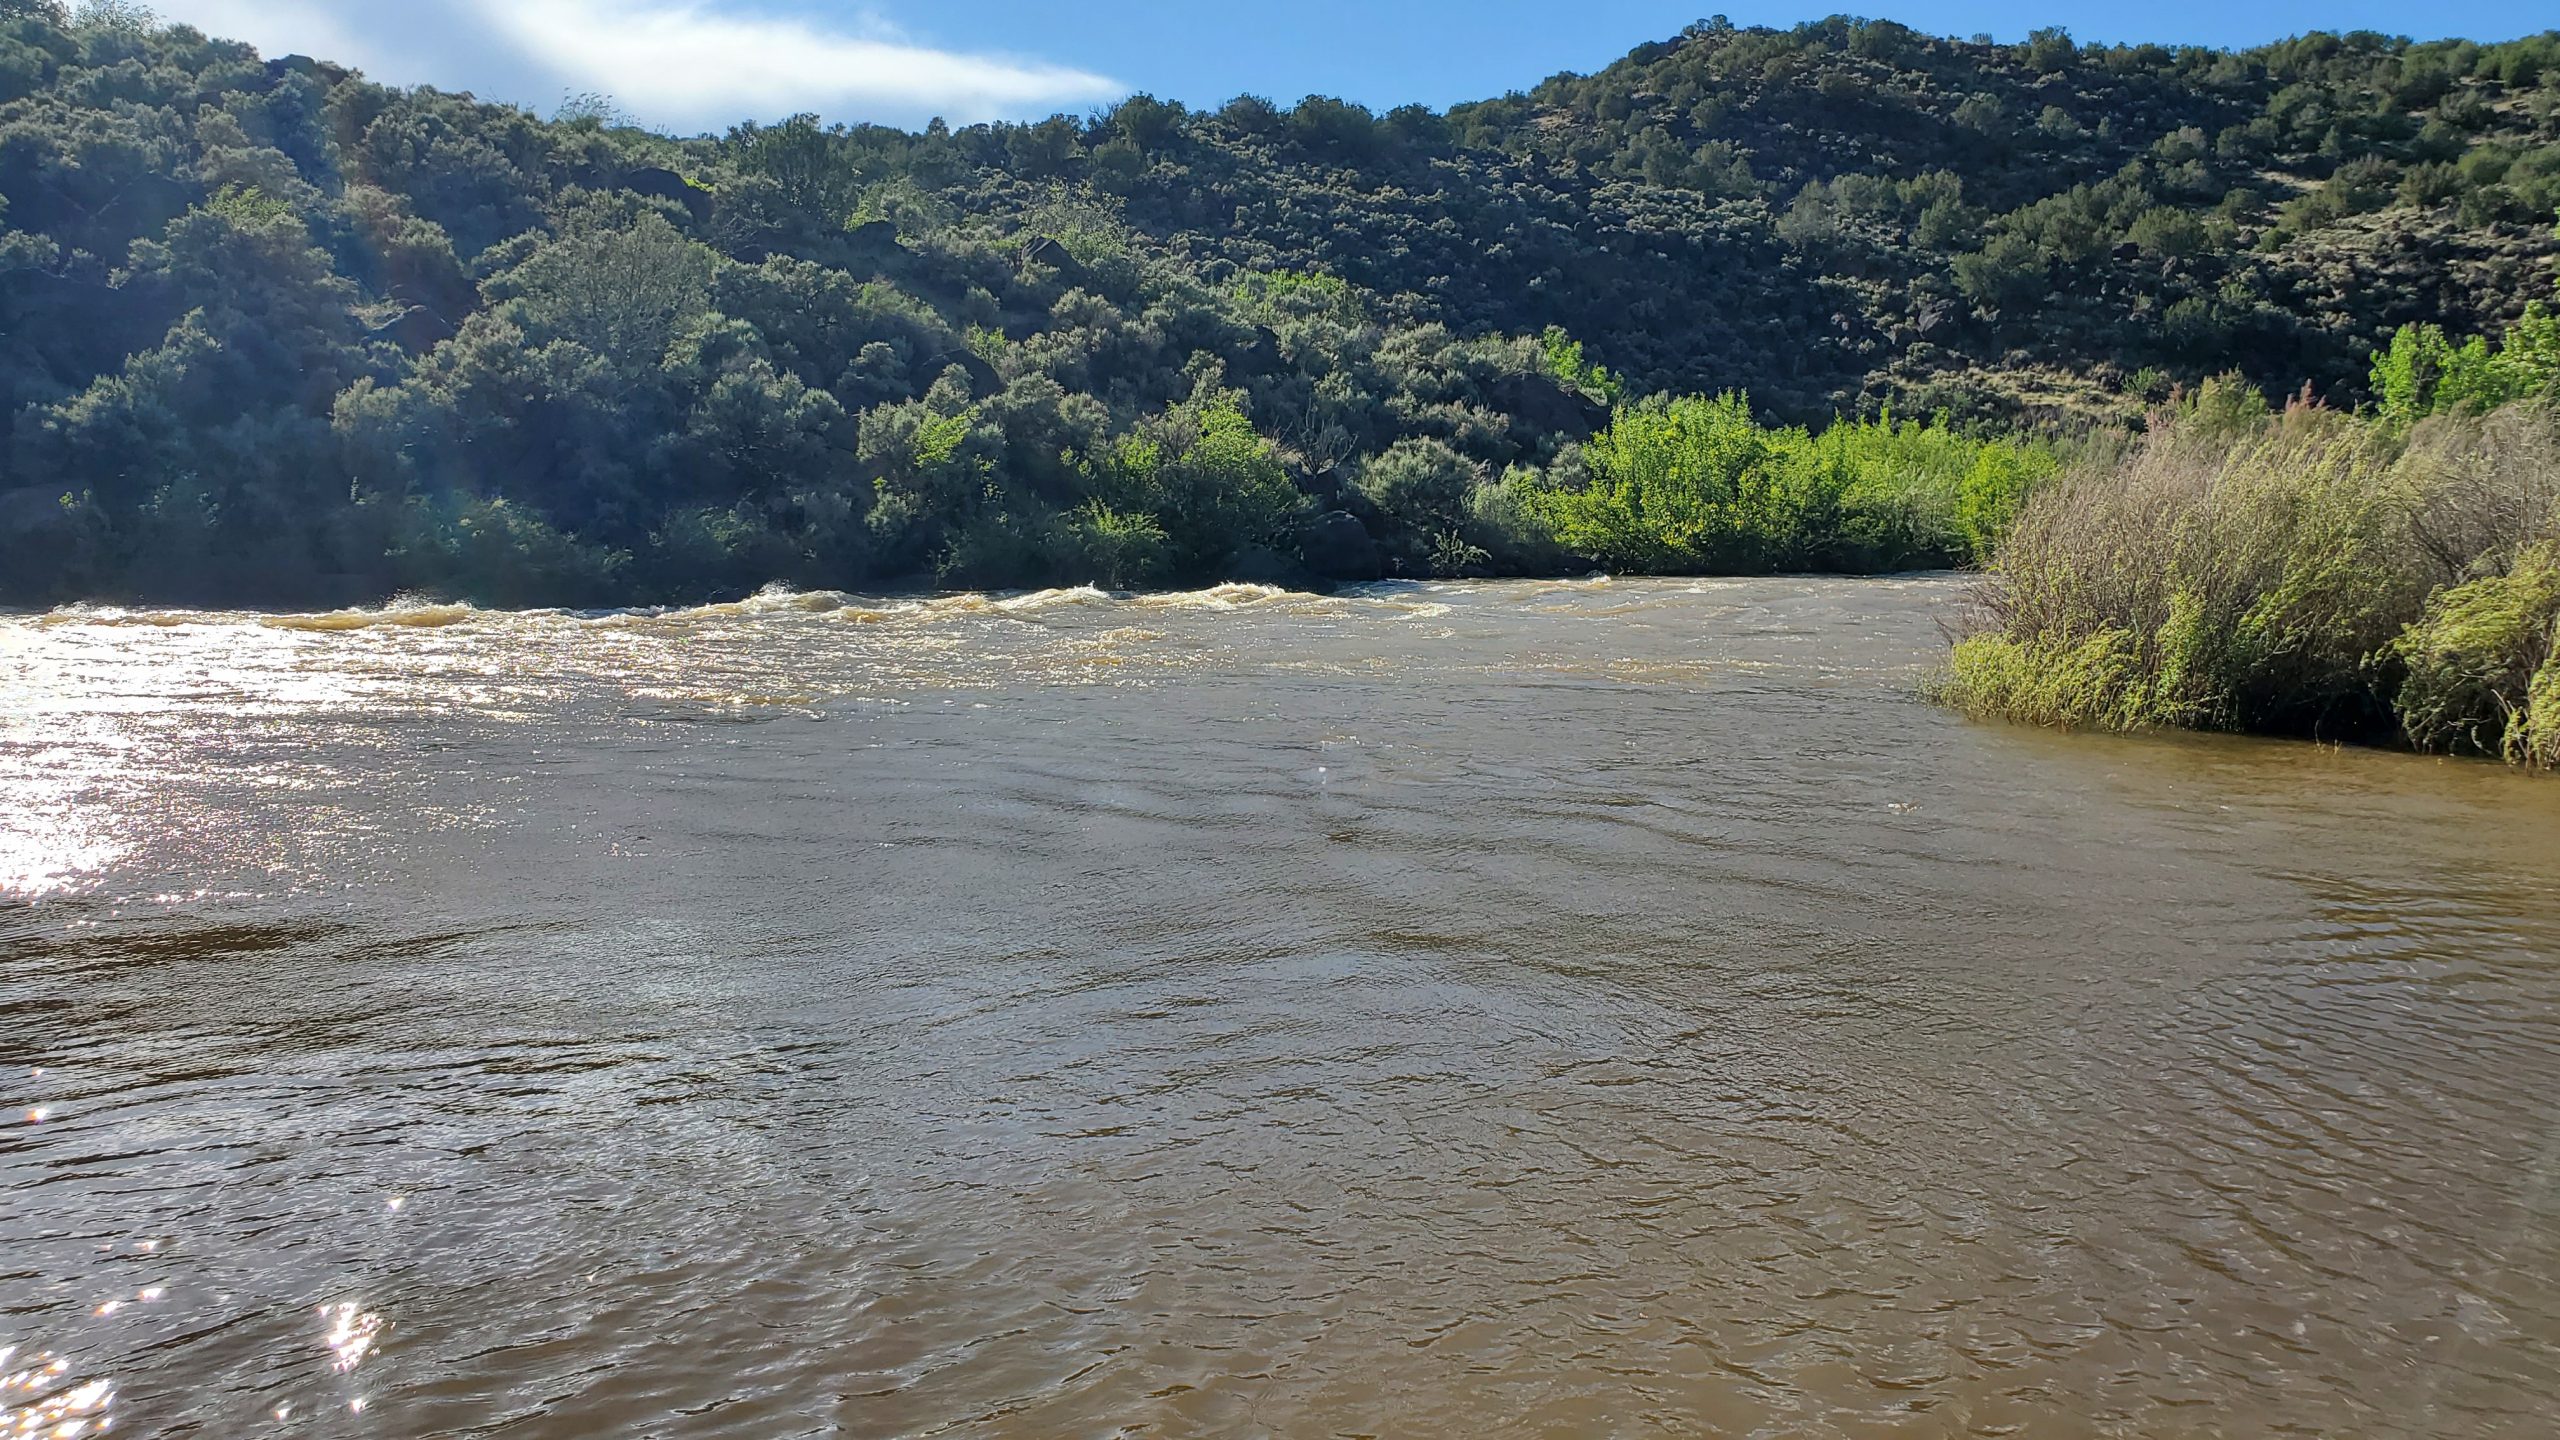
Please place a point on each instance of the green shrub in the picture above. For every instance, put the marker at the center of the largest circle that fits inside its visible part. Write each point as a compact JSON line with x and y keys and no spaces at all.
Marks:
{"x":1999,"y":482}
{"x":1697,"y":485}
{"x":2422,"y":372}
{"x":1206,"y":479}
{"x":1421,"y":489}
{"x":1674,"y":485}
{"x":710,"y":552}
{"x":2094,"y":682}
{"x":1126,"y":551}
{"x":2430,"y":185}
{"x":2007,"y":271}
{"x":1454,"y":557}
{"x":1924,"y":494}
{"x":2542,"y":718}
{"x":1002,"y":546}
{"x":497,"y":552}
{"x":1505,"y":521}
{"x":2477,"y":656}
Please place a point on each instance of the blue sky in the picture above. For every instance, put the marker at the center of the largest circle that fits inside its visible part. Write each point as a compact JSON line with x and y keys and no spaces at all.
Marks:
{"x":700,"y":64}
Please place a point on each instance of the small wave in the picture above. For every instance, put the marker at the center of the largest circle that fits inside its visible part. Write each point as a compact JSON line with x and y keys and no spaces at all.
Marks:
{"x":399,"y":614}
{"x":116,"y":615}
{"x":1039,"y":600}
{"x":1597,"y":579}
{"x":719,"y":699}
{"x":774,"y":601}
{"x":1234,"y":595}
{"x":1404,"y":597}
{"x":771,"y":600}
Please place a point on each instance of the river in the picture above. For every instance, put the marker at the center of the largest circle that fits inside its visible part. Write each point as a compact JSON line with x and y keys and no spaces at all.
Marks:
{"x":1563,"y":1009}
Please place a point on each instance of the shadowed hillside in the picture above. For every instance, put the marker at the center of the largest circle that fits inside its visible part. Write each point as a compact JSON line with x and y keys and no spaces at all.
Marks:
{"x":278,"y":334}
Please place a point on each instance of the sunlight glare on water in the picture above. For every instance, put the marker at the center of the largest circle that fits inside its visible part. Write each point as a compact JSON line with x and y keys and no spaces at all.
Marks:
{"x":42,"y":1399}
{"x":353,"y":1334}
{"x":1532,"y":1008}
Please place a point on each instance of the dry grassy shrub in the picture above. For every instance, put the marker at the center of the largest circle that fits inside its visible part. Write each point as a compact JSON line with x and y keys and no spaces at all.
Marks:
{"x":2482,"y":662}
{"x":2237,"y":569}
{"x":2487,"y":488}
{"x":2244,"y":563}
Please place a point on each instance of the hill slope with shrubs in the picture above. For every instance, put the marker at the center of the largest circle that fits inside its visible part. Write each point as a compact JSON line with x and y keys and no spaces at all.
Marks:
{"x":276,"y":334}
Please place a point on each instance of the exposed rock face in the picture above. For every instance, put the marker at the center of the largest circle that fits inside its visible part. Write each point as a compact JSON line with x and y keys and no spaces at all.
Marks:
{"x":871,"y":249}
{"x":1337,"y":546}
{"x":1321,"y":482}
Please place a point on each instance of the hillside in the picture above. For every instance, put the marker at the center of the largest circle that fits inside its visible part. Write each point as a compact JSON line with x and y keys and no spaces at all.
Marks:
{"x":1987,"y":215}
{"x":278,"y":334}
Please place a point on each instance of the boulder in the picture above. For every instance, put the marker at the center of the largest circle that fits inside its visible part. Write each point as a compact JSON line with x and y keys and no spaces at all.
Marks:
{"x":1049,"y":252}
{"x":872,"y":245}
{"x":1337,"y":546}
{"x":1261,"y":565}
{"x":79,"y":324}
{"x":146,"y":205}
{"x":1542,"y":404}
{"x":1259,"y":354}
{"x":1320,"y":481}
{"x":416,"y":330}
{"x":983,"y":379}
{"x":659,"y":183}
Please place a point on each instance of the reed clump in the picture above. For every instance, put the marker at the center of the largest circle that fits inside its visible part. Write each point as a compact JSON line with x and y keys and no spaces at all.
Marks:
{"x":2290,"y":571}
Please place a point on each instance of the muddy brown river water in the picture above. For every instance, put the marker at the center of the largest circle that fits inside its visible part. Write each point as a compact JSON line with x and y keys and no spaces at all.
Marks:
{"x":1592,"y":1009}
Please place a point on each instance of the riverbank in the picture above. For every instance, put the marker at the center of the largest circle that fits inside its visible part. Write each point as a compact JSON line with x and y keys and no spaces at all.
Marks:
{"x":1669,"y":486}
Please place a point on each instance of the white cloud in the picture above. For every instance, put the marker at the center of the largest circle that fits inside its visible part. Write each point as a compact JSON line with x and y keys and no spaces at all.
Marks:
{"x":694,"y":60}
{"x":681,"y":63}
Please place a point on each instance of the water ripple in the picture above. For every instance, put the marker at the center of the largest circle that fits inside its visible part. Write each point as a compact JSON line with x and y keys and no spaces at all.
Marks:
{"x":1597,"y":1007}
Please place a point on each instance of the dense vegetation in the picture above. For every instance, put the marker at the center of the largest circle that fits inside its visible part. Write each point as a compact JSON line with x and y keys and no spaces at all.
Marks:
{"x":2303,"y":571}
{"x":277,"y":334}
{"x":2043,"y":227}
